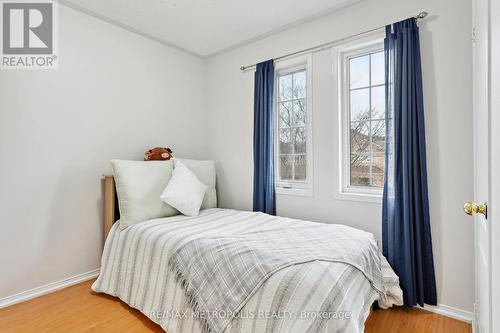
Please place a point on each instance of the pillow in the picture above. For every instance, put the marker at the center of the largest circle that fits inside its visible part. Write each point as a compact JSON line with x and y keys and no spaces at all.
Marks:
{"x":184,"y":191}
{"x":205,"y":171}
{"x":139,"y":185}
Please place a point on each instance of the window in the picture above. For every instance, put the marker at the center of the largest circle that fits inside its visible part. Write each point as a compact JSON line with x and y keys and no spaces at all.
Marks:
{"x":293,"y":144}
{"x":363,"y":111}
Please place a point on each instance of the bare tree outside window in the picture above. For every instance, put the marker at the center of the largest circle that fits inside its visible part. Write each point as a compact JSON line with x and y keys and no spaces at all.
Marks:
{"x":292,"y":127}
{"x":366,"y":96}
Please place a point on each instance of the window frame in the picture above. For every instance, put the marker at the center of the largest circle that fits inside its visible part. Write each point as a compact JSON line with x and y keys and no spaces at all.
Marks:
{"x":293,"y":187}
{"x":347,"y":191}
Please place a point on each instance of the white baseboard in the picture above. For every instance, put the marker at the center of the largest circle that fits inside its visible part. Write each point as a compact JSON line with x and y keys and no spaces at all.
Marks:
{"x":48,"y":288}
{"x":475,"y":327}
{"x":451,"y":312}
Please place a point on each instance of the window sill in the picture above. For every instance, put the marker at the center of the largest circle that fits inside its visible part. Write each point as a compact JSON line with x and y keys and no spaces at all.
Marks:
{"x":294,"y":191}
{"x":360,"y":197}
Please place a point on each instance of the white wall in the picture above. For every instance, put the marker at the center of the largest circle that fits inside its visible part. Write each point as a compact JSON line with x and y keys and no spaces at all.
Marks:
{"x":114,"y":95}
{"x":446,"y":57}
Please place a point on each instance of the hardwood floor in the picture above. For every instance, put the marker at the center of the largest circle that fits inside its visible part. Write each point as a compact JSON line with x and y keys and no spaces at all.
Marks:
{"x":77,"y":309}
{"x":413,"y":321}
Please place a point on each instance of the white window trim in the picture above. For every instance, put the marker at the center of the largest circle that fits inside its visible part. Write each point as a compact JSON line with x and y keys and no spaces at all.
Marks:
{"x":295,"y":187}
{"x":346,"y":192}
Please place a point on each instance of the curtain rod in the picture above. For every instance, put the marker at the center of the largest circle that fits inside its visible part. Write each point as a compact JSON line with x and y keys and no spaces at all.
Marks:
{"x":419,"y":16}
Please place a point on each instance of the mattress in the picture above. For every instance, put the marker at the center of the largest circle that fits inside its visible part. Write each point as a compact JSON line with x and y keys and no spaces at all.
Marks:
{"x":312,"y":297}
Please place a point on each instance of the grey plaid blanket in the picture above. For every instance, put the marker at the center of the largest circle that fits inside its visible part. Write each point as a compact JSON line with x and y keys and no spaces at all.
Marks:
{"x":220,"y":273}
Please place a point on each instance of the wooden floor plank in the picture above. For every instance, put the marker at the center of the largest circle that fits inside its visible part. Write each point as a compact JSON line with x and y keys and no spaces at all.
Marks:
{"x":78,"y":309}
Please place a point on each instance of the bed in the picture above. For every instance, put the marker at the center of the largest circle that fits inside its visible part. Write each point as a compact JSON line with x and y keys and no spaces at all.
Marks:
{"x":317,"y":296}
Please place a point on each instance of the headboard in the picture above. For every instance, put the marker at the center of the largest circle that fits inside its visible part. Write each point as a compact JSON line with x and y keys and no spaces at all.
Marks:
{"x":111,"y":210}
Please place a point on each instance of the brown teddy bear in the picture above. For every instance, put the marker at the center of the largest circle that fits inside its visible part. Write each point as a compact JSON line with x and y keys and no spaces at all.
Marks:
{"x":158,"y":154}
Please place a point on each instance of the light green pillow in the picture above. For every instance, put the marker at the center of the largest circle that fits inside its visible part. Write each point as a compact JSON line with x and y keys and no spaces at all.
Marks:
{"x":205,"y":171}
{"x":139,"y":185}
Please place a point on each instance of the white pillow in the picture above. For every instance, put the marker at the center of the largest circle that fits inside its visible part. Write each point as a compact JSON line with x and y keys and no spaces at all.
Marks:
{"x":205,"y":171}
{"x":139,"y":185}
{"x":184,"y":191}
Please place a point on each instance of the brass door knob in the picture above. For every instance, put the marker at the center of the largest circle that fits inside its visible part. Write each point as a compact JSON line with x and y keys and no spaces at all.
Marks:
{"x":471,"y":208}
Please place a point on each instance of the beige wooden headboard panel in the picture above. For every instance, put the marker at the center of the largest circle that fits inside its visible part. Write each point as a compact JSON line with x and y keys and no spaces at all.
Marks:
{"x":111,"y":211}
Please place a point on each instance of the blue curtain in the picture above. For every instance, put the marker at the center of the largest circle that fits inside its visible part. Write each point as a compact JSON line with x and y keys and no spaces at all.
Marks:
{"x":406,"y":231}
{"x":263,"y":139}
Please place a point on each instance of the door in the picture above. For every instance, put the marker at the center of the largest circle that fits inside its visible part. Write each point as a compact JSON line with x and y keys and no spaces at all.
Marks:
{"x":478,"y":208}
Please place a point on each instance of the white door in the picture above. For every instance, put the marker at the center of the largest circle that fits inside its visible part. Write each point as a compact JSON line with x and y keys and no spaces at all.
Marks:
{"x":494,"y":203}
{"x":482,"y":225}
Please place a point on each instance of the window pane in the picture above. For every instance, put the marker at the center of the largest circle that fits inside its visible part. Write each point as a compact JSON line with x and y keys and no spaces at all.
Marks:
{"x":360,"y":170}
{"x":378,"y":68}
{"x":378,"y":163}
{"x":300,"y":167}
{"x":299,"y":112}
{"x":285,"y":109}
{"x":359,"y":72}
{"x":378,"y":135}
{"x":360,"y":180}
{"x":378,"y":180}
{"x":286,"y":167}
{"x":366,"y":93}
{"x":285,"y":141}
{"x":360,"y":104}
{"x":360,"y":163}
{"x":285,"y":87}
{"x":378,"y":102}
{"x":292,"y":127}
{"x":299,"y":84}
{"x":360,"y":137}
{"x":378,"y":167}
{"x":300,"y":140}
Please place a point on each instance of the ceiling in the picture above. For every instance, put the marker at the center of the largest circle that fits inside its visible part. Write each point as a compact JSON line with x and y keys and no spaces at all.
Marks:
{"x":206,"y":27}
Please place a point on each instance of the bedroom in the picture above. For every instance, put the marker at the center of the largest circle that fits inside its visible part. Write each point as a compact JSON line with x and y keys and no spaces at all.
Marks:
{"x":132,"y":76}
